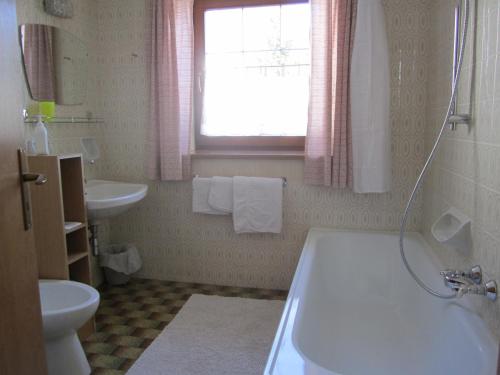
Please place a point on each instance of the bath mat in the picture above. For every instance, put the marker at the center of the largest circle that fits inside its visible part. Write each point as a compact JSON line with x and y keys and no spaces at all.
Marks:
{"x":214,"y":335}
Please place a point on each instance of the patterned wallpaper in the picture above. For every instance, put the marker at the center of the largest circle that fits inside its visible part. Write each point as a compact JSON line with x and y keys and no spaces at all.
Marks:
{"x":466,"y":171}
{"x":178,"y":245}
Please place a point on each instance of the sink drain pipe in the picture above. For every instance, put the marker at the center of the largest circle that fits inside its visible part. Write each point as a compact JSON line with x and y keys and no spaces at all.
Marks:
{"x":94,"y":239}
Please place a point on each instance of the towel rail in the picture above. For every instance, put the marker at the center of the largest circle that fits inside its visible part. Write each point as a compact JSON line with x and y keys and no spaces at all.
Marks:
{"x":284,"y":179}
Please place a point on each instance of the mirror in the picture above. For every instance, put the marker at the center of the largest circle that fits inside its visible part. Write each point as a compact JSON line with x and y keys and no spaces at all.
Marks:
{"x":55,"y":64}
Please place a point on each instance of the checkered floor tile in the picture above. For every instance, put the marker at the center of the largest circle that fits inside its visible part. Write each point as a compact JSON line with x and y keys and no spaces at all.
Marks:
{"x":131,"y":316}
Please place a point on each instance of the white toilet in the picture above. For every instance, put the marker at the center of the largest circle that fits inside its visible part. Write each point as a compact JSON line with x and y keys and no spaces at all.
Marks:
{"x":66,"y":306}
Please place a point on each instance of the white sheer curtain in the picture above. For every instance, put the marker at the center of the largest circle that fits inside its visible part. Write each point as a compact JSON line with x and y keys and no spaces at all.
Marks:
{"x":370,"y":101}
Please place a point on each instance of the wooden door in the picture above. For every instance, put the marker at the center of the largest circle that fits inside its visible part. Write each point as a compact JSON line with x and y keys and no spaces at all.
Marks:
{"x":21,"y":340}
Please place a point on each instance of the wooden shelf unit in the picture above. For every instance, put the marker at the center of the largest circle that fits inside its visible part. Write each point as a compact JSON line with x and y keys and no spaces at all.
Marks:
{"x":62,"y":254}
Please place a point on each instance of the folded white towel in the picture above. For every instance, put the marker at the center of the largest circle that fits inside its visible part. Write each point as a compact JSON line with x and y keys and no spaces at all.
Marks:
{"x":220,"y":197}
{"x":257,"y":204}
{"x":201,"y":190}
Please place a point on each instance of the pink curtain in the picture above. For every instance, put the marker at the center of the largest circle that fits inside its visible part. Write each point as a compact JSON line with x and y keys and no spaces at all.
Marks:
{"x":328,"y":149}
{"x":169,"y":136}
{"x":38,"y":57}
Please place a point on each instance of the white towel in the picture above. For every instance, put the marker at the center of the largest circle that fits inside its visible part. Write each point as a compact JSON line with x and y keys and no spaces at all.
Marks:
{"x":220,"y":197}
{"x":257,"y":204}
{"x":201,"y":190}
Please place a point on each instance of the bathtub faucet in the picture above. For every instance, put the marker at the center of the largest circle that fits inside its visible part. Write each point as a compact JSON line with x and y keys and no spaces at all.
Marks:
{"x":469,"y":282}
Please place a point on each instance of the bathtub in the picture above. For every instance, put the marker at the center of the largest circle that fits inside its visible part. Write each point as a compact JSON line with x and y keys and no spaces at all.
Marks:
{"x":354,"y":310}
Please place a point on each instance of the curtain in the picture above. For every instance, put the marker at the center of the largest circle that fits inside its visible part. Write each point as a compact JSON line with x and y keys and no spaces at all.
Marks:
{"x":39,"y":61}
{"x":169,"y":133}
{"x":328,"y":148}
{"x":370,"y":101}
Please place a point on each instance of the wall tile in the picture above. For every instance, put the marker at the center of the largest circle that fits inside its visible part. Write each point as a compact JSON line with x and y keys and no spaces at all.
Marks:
{"x":465,"y":175}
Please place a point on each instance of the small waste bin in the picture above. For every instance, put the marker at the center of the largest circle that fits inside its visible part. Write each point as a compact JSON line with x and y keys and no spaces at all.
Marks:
{"x":119,"y":262}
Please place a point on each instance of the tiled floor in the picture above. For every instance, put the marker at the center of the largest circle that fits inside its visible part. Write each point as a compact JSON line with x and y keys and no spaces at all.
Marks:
{"x":130,"y":317}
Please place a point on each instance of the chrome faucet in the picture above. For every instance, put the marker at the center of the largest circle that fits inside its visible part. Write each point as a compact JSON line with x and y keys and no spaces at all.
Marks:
{"x":469,"y":282}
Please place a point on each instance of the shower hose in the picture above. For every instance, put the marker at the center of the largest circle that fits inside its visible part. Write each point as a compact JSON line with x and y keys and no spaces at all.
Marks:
{"x":456,"y":79}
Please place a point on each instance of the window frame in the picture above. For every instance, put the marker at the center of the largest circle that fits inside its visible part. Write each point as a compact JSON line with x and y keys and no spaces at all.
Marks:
{"x":203,"y":142}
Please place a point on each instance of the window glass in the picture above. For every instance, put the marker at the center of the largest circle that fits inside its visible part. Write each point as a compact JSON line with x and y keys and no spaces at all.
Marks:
{"x":256,"y":78}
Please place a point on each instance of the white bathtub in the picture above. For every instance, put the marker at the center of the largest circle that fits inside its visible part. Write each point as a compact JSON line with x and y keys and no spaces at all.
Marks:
{"x":354,"y":310}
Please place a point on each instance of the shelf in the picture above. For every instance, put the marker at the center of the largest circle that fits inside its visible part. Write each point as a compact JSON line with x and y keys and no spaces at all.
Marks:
{"x":72,"y":189}
{"x":57,"y":156}
{"x":73,"y":228}
{"x":72,"y":258}
{"x":65,"y":120}
{"x":69,"y":156}
{"x":79,"y":269}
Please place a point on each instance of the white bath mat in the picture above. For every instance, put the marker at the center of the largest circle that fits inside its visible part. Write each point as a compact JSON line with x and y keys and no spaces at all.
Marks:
{"x":214,"y":335}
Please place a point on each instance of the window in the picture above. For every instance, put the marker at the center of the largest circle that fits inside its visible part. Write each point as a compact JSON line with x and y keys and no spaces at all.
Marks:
{"x":252,"y":66}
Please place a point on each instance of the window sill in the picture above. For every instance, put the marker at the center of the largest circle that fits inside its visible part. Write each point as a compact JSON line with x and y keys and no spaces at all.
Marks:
{"x":245,"y":154}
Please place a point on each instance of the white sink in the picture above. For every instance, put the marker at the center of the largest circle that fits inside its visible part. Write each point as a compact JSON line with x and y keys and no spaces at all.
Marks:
{"x":110,"y":198}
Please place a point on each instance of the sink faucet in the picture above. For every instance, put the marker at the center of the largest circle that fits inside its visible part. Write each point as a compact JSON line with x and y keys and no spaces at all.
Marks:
{"x":469,"y":282}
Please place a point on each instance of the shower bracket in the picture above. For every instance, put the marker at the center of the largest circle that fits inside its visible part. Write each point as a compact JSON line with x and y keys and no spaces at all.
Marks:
{"x":459,"y":119}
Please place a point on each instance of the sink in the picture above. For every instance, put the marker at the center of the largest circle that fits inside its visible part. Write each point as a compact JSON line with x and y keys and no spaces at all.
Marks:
{"x":110,"y":198}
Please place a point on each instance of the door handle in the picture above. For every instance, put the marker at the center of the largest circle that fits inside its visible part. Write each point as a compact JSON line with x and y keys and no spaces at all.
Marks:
{"x":38,"y":178}
{"x":27,"y":177}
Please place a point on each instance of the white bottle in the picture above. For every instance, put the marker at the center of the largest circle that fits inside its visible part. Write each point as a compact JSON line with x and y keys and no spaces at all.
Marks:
{"x":40,"y":137}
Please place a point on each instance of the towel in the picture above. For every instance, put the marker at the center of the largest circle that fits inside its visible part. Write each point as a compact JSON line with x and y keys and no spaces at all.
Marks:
{"x":220,"y":197}
{"x":257,"y":204}
{"x":201,"y":190}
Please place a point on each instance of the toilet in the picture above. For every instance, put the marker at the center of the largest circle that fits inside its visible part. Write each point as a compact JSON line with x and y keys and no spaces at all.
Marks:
{"x":66,"y":306}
